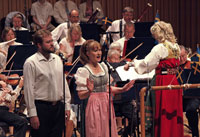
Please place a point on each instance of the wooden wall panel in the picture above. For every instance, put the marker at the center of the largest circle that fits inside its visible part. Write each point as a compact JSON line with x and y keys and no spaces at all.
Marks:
{"x":182,"y":14}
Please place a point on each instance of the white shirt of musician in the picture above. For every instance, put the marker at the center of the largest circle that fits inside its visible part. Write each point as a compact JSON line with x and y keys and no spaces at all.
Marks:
{"x":10,"y":97}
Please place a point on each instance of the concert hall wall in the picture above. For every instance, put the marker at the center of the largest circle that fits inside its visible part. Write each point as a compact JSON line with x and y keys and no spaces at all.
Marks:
{"x":184,"y":15}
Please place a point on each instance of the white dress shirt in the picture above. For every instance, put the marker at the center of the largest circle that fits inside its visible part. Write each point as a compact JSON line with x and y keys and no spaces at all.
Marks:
{"x":70,"y":49}
{"x":43,"y":81}
{"x":115,"y":27}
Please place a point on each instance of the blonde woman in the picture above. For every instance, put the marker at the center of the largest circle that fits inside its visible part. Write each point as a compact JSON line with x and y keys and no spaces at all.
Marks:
{"x":74,"y":38}
{"x":166,"y":119}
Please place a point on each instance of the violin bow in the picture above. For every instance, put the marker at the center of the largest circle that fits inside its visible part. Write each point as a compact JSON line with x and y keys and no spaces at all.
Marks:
{"x":132,"y":51}
{"x":10,"y":68}
{"x":134,"y":58}
{"x":73,"y":65}
{"x":10,"y":59}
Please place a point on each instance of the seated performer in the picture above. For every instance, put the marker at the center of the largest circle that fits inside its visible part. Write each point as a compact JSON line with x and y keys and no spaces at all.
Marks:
{"x":163,"y":107}
{"x":17,"y":20}
{"x":129,"y":30}
{"x":74,"y":38}
{"x":7,"y":35}
{"x":118,"y":25}
{"x":7,"y":98}
{"x":61,"y":30}
{"x":123,"y":107}
{"x":9,"y":17}
{"x":190,"y":105}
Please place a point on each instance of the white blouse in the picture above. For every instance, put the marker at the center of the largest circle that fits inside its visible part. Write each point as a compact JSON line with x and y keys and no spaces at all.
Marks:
{"x":152,"y":60}
{"x":70,"y":49}
{"x":82,"y":74}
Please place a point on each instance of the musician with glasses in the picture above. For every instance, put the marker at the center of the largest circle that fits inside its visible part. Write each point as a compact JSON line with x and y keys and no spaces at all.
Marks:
{"x":190,"y":106}
{"x":118,"y":25}
{"x":61,"y":31}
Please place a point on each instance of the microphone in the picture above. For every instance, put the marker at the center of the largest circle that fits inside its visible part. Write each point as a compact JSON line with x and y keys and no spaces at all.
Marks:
{"x":61,"y":55}
{"x":109,"y":66}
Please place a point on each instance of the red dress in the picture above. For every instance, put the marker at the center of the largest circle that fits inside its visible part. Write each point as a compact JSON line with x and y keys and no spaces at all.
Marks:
{"x":168,"y":118}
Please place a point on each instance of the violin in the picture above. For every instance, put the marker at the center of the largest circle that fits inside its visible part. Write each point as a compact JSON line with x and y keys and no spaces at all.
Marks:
{"x":12,"y":79}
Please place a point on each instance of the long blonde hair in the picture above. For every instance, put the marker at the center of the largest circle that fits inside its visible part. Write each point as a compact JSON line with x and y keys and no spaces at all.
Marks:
{"x":75,"y":27}
{"x":163,"y":31}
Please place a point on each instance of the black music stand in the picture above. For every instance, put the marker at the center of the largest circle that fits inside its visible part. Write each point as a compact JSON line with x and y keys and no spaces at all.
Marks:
{"x":189,"y":76}
{"x":141,"y":52}
{"x":23,"y":36}
{"x":91,"y":31}
{"x":142,"y":29}
{"x":22,"y":53}
{"x":76,"y":52}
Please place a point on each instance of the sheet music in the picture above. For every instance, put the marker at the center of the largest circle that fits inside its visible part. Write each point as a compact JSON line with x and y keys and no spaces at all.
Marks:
{"x":131,"y":74}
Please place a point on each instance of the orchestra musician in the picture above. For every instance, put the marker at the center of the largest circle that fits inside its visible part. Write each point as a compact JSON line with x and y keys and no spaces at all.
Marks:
{"x":92,"y":80}
{"x":190,"y":105}
{"x":62,"y":8}
{"x":61,"y":31}
{"x":164,"y":112}
{"x":74,"y":38}
{"x":123,"y":107}
{"x":118,"y":25}
{"x":7,"y":35}
{"x":129,"y":30}
{"x":17,"y":20}
{"x":7,"y":99}
{"x":43,"y":89}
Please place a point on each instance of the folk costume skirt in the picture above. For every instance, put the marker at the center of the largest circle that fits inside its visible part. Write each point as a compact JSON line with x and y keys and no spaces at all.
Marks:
{"x":97,"y":116}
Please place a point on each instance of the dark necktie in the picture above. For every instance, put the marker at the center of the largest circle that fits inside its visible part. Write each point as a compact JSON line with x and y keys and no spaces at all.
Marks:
{"x":124,"y":49}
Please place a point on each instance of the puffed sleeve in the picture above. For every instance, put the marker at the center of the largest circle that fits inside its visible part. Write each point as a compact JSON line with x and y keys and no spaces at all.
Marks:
{"x":81,"y":78}
{"x":151,"y":61}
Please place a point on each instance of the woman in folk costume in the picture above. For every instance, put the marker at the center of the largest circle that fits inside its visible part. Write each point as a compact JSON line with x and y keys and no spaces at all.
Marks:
{"x":92,"y":80}
{"x":164,"y":113}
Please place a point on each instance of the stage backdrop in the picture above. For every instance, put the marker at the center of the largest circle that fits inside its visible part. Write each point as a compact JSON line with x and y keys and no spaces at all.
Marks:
{"x":184,"y":15}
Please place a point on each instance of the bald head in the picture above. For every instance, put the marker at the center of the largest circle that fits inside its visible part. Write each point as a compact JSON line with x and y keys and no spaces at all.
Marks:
{"x":74,"y":16}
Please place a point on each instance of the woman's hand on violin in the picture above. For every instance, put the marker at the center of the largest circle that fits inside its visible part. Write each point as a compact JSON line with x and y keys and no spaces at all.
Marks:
{"x":3,"y":84}
{"x":1,"y":99}
{"x":6,"y":90}
{"x":90,"y":85}
{"x":129,"y":85}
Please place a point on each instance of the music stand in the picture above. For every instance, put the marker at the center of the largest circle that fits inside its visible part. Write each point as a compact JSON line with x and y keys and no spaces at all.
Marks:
{"x":189,"y":77}
{"x":142,"y":29}
{"x":22,"y":53}
{"x":23,"y":36}
{"x":76,"y":52}
{"x":141,"y":52}
{"x":91,"y":31}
